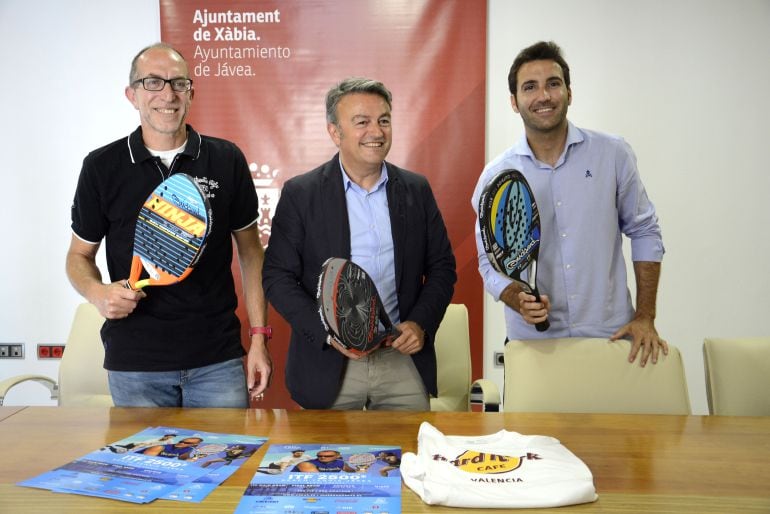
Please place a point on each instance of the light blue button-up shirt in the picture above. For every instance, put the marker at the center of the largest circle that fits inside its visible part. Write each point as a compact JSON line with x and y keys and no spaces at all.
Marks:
{"x":586,"y":201}
{"x":371,"y":240}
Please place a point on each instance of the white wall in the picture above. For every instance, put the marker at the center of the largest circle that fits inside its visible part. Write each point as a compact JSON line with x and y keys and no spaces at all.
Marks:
{"x":684,"y":81}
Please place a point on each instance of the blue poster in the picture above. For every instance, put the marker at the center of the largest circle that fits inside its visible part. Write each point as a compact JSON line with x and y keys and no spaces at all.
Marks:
{"x":158,"y":462}
{"x":325,"y":478}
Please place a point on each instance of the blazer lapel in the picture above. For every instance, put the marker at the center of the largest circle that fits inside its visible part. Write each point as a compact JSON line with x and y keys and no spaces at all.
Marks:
{"x":335,"y":227}
{"x":395,"y":190}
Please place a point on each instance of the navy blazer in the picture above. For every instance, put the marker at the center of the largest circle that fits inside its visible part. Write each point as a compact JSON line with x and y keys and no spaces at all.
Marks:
{"x":309,"y":226}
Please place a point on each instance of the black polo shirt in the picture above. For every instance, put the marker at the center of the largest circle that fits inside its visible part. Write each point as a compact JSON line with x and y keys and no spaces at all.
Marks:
{"x":192,"y":323}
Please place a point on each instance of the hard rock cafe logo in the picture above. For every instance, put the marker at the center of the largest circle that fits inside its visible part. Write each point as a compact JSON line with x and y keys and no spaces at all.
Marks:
{"x":268,"y":192}
{"x":487,"y":463}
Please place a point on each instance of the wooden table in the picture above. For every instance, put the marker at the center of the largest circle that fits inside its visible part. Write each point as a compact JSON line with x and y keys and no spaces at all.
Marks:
{"x":640,"y":463}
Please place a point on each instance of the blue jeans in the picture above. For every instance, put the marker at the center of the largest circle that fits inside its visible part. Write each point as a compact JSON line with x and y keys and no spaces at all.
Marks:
{"x":218,"y":385}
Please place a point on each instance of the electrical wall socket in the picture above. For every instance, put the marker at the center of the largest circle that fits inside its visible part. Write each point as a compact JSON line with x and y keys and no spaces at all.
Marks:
{"x":499,"y":359}
{"x":50,"y":351}
{"x":11,"y":350}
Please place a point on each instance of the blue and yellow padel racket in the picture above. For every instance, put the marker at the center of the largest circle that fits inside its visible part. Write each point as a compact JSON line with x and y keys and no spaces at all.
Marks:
{"x":170,"y":233}
{"x":510,"y":230}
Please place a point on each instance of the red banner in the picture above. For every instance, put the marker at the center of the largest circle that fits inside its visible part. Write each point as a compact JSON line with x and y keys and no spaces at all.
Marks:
{"x":261,"y":70}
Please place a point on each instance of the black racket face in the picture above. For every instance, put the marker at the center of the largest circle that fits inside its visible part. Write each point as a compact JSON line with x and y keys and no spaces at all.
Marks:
{"x":172,"y":226}
{"x":349,"y":304}
{"x":510,"y":223}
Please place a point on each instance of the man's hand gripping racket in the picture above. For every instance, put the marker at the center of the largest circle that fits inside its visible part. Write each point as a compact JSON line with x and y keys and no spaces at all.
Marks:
{"x":170,"y":233}
{"x":510,"y":230}
{"x":350,"y":307}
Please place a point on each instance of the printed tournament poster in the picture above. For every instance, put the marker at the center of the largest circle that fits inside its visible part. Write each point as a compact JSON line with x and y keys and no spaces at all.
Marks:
{"x":158,"y":462}
{"x":325,"y":478}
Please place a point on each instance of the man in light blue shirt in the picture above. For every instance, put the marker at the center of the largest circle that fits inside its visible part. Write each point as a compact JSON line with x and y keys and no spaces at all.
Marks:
{"x":589,"y":194}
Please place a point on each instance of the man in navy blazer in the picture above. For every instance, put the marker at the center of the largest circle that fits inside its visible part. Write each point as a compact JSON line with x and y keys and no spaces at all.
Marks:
{"x":382,"y":217}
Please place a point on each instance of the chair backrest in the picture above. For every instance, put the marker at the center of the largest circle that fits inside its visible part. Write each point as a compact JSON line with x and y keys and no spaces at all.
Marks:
{"x":737,"y":376}
{"x":453,"y":356}
{"x":591,"y":375}
{"x":82,"y":377}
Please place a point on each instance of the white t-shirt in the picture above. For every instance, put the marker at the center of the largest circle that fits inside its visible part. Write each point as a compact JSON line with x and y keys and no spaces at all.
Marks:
{"x":167,"y":156}
{"x":501,"y":470}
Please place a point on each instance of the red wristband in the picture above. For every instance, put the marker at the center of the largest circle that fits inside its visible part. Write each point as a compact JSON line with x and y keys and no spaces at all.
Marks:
{"x":268,"y":331}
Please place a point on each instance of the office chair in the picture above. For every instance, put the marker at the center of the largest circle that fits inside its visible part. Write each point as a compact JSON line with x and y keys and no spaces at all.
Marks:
{"x":453,"y":359}
{"x":591,"y":375}
{"x":82,"y":379}
{"x":737,"y":376}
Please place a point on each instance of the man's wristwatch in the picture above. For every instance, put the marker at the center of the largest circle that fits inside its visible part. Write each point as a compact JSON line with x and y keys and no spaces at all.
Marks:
{"x":268,"y":331}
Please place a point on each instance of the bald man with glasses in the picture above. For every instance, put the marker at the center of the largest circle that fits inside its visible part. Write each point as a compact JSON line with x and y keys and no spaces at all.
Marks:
{"x":178,"y":345}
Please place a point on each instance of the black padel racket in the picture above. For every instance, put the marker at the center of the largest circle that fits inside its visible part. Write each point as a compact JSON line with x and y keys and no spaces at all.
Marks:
{"x":510,"y":230}
{"x":350,"y":307}
{"x":170,"y":233}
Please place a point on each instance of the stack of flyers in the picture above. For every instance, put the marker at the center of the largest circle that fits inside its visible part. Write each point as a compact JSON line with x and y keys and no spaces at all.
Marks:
{"x":325,"y":478}
{"x":158,"y":462}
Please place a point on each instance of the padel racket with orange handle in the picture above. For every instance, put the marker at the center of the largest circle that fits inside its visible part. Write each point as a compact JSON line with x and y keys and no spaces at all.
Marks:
{"x":350,"y":307}
{"x":170,"y":233}
{"x":510,"y":230}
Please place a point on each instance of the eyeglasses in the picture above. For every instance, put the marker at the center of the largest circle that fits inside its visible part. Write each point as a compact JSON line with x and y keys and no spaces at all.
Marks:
{"x":179,"y":85}
{"x":327,"y":456}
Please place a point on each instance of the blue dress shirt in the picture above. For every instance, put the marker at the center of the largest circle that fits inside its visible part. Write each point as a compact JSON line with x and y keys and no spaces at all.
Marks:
{"x":371,"y":239}
{"x":587,"y":201}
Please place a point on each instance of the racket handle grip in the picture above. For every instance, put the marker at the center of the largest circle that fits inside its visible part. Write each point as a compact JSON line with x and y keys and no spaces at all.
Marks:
{"x":137,"y":285}
{"x":543,"y":325}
